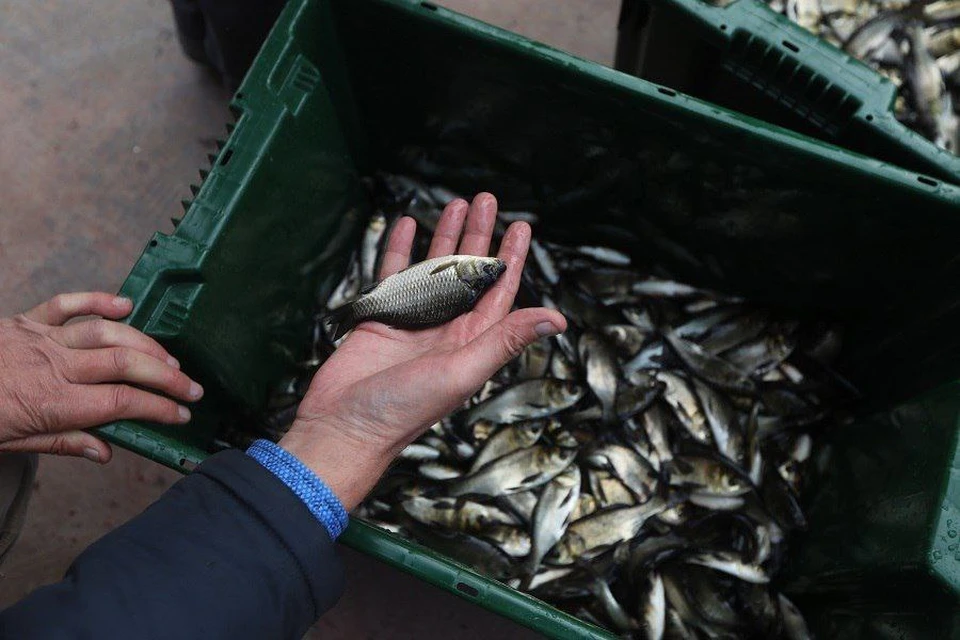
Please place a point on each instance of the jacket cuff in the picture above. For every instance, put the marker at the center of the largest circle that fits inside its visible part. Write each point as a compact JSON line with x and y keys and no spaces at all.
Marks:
{"x":318,"y":498}
{"x":284,"y":512}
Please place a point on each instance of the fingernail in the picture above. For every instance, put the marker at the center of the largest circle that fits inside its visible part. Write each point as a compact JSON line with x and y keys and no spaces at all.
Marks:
{"x":195,"y":390}
{"x":184,"y":414}
{"x":173,"y":362}
{"x":91,"y":454}
{"x":545,"y":329}
{"x":120,"y":301}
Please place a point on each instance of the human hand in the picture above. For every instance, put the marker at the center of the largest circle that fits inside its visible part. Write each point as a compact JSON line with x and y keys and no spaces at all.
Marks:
{"x":56,"y":380}
{"x":383,"y":387}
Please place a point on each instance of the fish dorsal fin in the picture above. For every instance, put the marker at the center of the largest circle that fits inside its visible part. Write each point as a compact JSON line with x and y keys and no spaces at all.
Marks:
{"x":367,"y":288}
{"x":443,"y":266}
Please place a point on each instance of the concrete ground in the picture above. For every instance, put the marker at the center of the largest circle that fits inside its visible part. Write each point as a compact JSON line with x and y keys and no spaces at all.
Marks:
{"x":103,"y":124}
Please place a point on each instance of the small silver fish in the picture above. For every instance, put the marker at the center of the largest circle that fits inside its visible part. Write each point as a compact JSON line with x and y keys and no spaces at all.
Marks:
{"x":944,"y":42}
{"x":606,"y":255}
{"x":521,"y":504}
{"x":586,"y":504}
{"x":638,"y":395}
{"x":602,"y":372}
{"x":680,"y":396}
{"x":926,"y":83}
{"x":662,"y":288}
{"x":347,"y":288}
{"x":872,"y":34}
{"x":422,"y":295}
{"x":419,"y":453}
{"x":805,"y":13}
{"x":941,"y":11}
{"x":544,"y":262}
{"x":521,"y":470}
{"x":636,"y":473}
{"x":463,"y":515}
{"x":590,"y":536}
{"x":527,"y":401}
{"x":627,"y":338}
{"x":369,"y":247}
{"x":724,"y":423}
{"x":656,"y":422}
{"x":553,"y":513}
{"x":507,"y":440}
{"x":614,"y":610}
{"x":707,"y":476}
{"x":710,"y":368}
{"x":534,"y":361}
{"x":547,"y":575}
{"x":435,"y":470}
{"x":650,"y":357}
{"x":513,"y":541}
{"x":609,"y":490}
{"x":731,"y":564}
{"x":653,"y":606}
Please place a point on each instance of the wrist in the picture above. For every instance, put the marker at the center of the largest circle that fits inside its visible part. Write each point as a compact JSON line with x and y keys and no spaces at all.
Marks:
{"x":348,"y":466}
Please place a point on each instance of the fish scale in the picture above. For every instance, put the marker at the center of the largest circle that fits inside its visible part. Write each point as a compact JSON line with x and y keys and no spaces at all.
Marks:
{"x":425,"y":294}
{"x":414,"y":294}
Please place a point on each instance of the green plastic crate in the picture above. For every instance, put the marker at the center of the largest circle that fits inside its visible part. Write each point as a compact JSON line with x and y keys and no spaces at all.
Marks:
{"x":343,"y":88}
{"x":746,"y":57}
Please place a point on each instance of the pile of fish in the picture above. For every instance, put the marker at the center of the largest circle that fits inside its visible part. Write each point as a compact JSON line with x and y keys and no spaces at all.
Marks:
{"x":641,"y":471}
{"x":914,"y":44}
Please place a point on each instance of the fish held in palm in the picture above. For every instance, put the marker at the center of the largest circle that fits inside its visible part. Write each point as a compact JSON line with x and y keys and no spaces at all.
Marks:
{"x":425,"y":294}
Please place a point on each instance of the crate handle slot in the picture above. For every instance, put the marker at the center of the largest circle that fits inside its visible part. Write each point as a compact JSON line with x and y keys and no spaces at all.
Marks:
{"x":781,"y":76}
{"x":463,"y":587}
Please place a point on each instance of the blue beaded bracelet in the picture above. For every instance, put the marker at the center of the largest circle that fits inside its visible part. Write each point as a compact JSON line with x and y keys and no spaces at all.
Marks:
{"x":320,"y":500}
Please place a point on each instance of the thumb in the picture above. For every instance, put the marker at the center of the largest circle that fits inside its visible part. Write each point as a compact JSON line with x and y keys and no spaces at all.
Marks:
{"x":502,"y":342}
{"x":68,"y":443}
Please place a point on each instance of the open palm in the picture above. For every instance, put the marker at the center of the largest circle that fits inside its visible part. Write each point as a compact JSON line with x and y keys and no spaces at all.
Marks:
{"x":383,"y":386}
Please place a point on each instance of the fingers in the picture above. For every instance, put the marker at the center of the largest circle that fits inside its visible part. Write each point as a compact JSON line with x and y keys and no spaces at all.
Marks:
{"x":448,"y":230}
{"x":61,"y":308}
{"x":91,"y":405}
{"x":479,"y":226}
{"x":497,"y":301}
{"x":399,"y":245}
{"x":483,"y":356}
{"x":97,"y":334}
{"x":71,"y":443}
{"x":118,"y":364}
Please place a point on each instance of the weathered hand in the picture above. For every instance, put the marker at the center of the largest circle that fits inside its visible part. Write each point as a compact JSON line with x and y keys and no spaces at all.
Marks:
{"x":383,"y":387}
{"x":56,"y":380}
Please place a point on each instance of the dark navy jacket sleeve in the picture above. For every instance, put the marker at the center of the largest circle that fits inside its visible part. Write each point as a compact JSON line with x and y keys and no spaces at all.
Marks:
{"x":228,"y":552}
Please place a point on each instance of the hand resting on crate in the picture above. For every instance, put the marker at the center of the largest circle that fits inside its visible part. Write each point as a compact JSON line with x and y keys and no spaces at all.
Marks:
{"x":383,"y":387}
{"x":57,"y":379}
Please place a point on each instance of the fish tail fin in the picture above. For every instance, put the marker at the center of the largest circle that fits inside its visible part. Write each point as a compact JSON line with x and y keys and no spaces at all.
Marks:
{"x":341,"y":320}
{"x":528,"y":571}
